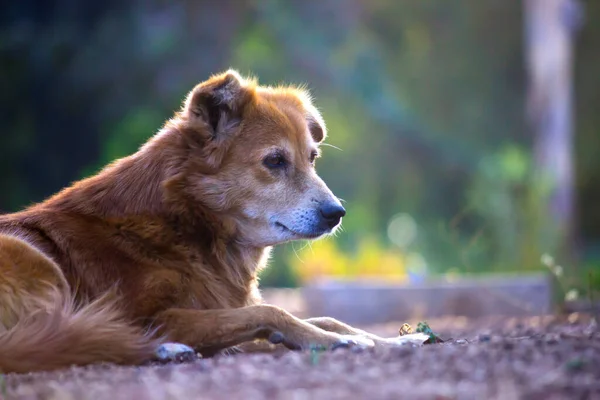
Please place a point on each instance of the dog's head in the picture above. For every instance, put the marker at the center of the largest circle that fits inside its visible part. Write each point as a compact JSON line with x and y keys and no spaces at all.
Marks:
{"x":253,"y":159}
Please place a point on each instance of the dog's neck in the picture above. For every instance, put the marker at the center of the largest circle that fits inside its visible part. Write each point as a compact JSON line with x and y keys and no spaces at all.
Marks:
{"x":135,"y":188}
{"x":128,"y":187}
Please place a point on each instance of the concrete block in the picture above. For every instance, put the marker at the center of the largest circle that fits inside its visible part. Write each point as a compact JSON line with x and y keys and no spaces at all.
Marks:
{"x":372,"y":302}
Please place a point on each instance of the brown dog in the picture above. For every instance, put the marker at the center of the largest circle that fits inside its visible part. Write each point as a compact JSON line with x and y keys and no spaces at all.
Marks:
{"x":166,"y":244}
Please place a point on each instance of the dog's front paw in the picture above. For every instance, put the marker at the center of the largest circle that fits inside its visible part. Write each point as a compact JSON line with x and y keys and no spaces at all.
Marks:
{"x":354,"y":342}
{"x":322,"y":342}
{"x":179,"y":352}
{"x":411,"y":339}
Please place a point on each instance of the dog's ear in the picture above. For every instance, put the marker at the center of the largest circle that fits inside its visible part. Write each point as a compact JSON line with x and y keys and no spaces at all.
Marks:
{"x":316,"y":127}
{"x":218,"y":103}
{"x":316,"y":124}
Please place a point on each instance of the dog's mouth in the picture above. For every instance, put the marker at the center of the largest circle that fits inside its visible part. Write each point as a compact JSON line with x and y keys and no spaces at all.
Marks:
{"x":299,"y":235}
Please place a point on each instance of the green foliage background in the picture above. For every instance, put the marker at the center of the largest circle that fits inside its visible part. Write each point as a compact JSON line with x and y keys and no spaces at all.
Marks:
{"x":424,"y":98}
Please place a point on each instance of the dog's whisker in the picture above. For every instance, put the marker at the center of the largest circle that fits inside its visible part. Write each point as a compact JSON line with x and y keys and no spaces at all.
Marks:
{"x":304,"y":246}
{"x":330,"y":145}
{"x":296,"y":253}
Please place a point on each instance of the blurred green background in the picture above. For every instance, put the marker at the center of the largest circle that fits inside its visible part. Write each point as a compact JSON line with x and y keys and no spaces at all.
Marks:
{"x":425,"y":100}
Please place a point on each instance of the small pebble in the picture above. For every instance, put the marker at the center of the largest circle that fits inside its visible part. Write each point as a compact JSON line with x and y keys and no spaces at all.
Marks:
{"x":175,"y":352}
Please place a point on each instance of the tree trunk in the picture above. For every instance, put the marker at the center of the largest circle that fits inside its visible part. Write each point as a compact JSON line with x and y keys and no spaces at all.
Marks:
{"x":549,"y":28}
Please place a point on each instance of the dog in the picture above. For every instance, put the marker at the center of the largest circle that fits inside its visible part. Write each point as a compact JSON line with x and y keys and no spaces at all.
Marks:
{"x":159,"y":252}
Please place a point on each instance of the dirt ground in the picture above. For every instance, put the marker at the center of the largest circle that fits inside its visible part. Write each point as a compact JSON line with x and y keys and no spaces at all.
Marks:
{"x":496,"y":358}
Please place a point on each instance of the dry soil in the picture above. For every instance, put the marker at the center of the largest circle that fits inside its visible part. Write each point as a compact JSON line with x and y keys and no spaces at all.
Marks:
{"x":537,"y":358}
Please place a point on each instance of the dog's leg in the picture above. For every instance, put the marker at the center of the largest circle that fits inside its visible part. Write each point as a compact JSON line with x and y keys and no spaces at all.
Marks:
{"x":333,"y":325}
{"x":210,"y":331}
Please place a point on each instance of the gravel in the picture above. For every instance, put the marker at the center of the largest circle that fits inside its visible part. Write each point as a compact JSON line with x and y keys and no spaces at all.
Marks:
{"x":538,"y":358}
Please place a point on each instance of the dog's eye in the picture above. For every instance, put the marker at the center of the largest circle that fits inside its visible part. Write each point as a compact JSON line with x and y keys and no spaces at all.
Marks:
{"x":274,"y":161}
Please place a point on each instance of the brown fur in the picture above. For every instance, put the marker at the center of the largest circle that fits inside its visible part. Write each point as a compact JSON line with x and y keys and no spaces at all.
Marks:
{"x":170,"y":238}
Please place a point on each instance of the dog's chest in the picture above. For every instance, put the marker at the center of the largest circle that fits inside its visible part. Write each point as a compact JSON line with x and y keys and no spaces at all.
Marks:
{"x":198,"y":278}
{"x":205,"y":280}
{"x":214,"y":286}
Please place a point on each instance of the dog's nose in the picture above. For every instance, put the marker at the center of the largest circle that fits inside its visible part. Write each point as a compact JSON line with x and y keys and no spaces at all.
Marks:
{"x":332,"y":213}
